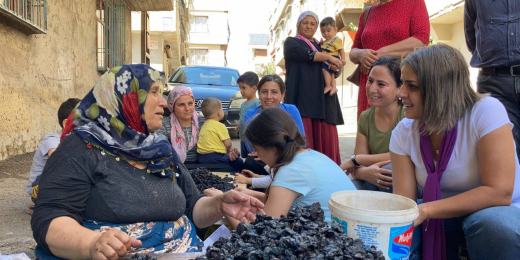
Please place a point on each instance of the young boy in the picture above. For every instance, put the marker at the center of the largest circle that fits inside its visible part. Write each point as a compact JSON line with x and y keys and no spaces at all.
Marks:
{"x":248,"y":83}
{"x":214,"y":145}
{"x":333,"y":45}
{"x":49,"y":143}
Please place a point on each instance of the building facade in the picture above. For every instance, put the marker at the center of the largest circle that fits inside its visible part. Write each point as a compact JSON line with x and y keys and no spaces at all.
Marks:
{"x":168,"y":39}
{"x":54,"y":50}
{"x":209,"y":33}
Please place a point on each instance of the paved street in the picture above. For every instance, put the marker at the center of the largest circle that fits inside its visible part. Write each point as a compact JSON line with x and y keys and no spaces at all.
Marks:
{"x":15,"y":231}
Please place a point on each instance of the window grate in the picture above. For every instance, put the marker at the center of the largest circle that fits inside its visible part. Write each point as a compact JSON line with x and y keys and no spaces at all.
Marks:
{"x":111,"y":34}
{"x":33,"y":13}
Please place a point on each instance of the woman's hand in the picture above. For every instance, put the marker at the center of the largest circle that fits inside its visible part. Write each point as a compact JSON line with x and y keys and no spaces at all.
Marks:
{"x":335,"y":64}
{"x":241,"y":206}
{"x":375,"y":175}
{"x":423,"y":214}
{"x":241,"y":179}
{"x":212,"y":192}
{"x":112,"y":244}
{"x":348,"y":166}
{"x":367,"y":57}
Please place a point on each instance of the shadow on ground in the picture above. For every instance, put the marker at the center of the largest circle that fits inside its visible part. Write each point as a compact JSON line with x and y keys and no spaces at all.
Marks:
{"x":15,"y":227}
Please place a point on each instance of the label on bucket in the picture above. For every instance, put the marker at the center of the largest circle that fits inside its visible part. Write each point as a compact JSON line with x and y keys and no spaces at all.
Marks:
{"x":368,"y":234}
{"x":400,"y":241}
{"x":342,"y":223}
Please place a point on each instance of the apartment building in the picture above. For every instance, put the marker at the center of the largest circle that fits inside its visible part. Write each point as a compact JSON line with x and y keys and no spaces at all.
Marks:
{"x":209,"y":33}
{"x":160,"y":38}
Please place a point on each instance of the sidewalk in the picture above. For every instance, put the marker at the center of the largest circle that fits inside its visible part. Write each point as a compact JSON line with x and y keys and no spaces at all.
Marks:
{"x":347,"y":132}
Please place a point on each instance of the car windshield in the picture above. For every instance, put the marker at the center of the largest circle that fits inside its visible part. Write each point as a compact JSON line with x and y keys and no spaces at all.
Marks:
{"x":205,"y":76}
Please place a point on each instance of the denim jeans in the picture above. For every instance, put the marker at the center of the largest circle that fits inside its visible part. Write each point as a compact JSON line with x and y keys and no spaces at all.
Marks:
{"x":238,"y":164}
{"x":492,"y":233}
{"x":506,"y":89}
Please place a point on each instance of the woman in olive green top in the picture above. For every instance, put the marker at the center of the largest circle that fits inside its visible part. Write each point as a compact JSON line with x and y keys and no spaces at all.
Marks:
{"x":369,"y":166}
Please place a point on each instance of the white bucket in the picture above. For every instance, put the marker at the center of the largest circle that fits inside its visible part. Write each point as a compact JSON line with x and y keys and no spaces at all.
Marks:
{"x":381,"y":219}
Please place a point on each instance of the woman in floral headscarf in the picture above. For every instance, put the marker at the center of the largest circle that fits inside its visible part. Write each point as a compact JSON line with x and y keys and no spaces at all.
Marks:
{"x":115,"y":186}
{"x":320,"y":113}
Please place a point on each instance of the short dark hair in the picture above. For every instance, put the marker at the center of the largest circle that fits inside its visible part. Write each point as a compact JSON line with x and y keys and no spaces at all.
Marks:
{"x":168,"y":46}
{"x":393,"y":64}
{"x":328,"y":21}
{"x":210,"y":106}
{"x":250,"y":78}
{"x":66,"y":108}
{"x":276,"y":79}
{"x":273,"y":127}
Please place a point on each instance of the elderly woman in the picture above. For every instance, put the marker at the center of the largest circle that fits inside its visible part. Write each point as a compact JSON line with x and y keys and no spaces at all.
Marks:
{"x":114,"y":185}
{"x":459,"y":147}
{"x":393,"y":28}
{"x":320,"y":112}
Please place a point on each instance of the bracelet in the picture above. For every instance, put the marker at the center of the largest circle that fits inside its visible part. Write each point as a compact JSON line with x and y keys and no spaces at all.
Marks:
{"x":427,"y":217}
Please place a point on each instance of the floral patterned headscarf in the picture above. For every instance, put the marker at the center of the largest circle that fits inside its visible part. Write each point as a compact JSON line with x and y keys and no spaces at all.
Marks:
{"x":111,"y":118}
{"x":177,"y":135}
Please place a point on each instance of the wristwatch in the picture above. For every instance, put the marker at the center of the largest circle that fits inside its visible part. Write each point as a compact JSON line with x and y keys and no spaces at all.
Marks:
{"x":353,"y":158}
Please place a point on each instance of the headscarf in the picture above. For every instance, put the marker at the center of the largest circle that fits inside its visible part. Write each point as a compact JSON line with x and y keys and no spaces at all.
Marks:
{"x":111,"y":118}
{"x":300,"y":19}
{"x":305,"y":14}
{"x":177,"y":135}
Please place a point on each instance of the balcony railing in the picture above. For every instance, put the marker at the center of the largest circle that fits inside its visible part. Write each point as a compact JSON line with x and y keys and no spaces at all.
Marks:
{"x":28,"y":15}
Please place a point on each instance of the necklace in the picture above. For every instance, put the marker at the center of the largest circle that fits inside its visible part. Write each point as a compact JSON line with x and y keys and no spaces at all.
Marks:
{"x":434,"y":146}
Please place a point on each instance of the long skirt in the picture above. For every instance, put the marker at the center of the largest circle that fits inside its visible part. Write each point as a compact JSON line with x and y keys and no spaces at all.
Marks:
{"x":322,"y":137}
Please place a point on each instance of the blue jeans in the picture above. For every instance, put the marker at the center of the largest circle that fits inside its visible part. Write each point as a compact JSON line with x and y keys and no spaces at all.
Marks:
{"x":492,"y":233}
{"x":243,"y":149}
{"x":209,"y":158}
{"x":505,"y":88}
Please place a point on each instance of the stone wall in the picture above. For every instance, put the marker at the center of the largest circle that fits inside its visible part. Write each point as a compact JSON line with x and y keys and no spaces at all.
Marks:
{"x":40,"y":71}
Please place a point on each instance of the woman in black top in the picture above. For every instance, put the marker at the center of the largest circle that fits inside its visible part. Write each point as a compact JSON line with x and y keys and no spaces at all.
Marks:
{"x":114,"y":185}
{"x":304,"y":79}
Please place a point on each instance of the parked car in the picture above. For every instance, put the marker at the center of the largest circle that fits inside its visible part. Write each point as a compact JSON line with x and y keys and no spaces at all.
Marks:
{"x":217,"y":82}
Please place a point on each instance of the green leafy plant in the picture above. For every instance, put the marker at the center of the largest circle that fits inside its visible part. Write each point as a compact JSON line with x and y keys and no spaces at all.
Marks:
{"x":267,"y":69}
{"x":352,"y":27}
{"x":431,"y":41}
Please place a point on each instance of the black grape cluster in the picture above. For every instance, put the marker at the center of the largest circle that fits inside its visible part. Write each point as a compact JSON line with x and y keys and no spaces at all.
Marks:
{"x":302,"y":234}
{"x":204,"y":180}
{"x":143,"y":257}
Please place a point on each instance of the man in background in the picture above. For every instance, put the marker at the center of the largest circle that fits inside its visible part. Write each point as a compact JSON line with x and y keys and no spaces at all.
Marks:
{"x":493,"y":37}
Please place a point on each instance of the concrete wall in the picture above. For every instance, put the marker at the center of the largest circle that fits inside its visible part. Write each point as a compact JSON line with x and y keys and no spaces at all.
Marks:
{"x":39,"y":72}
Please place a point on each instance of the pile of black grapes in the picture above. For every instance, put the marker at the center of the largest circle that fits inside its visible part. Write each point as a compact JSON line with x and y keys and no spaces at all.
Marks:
{"x":143,"y":257}
{"x":204,"y":180}
{"x":302,"y":234}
